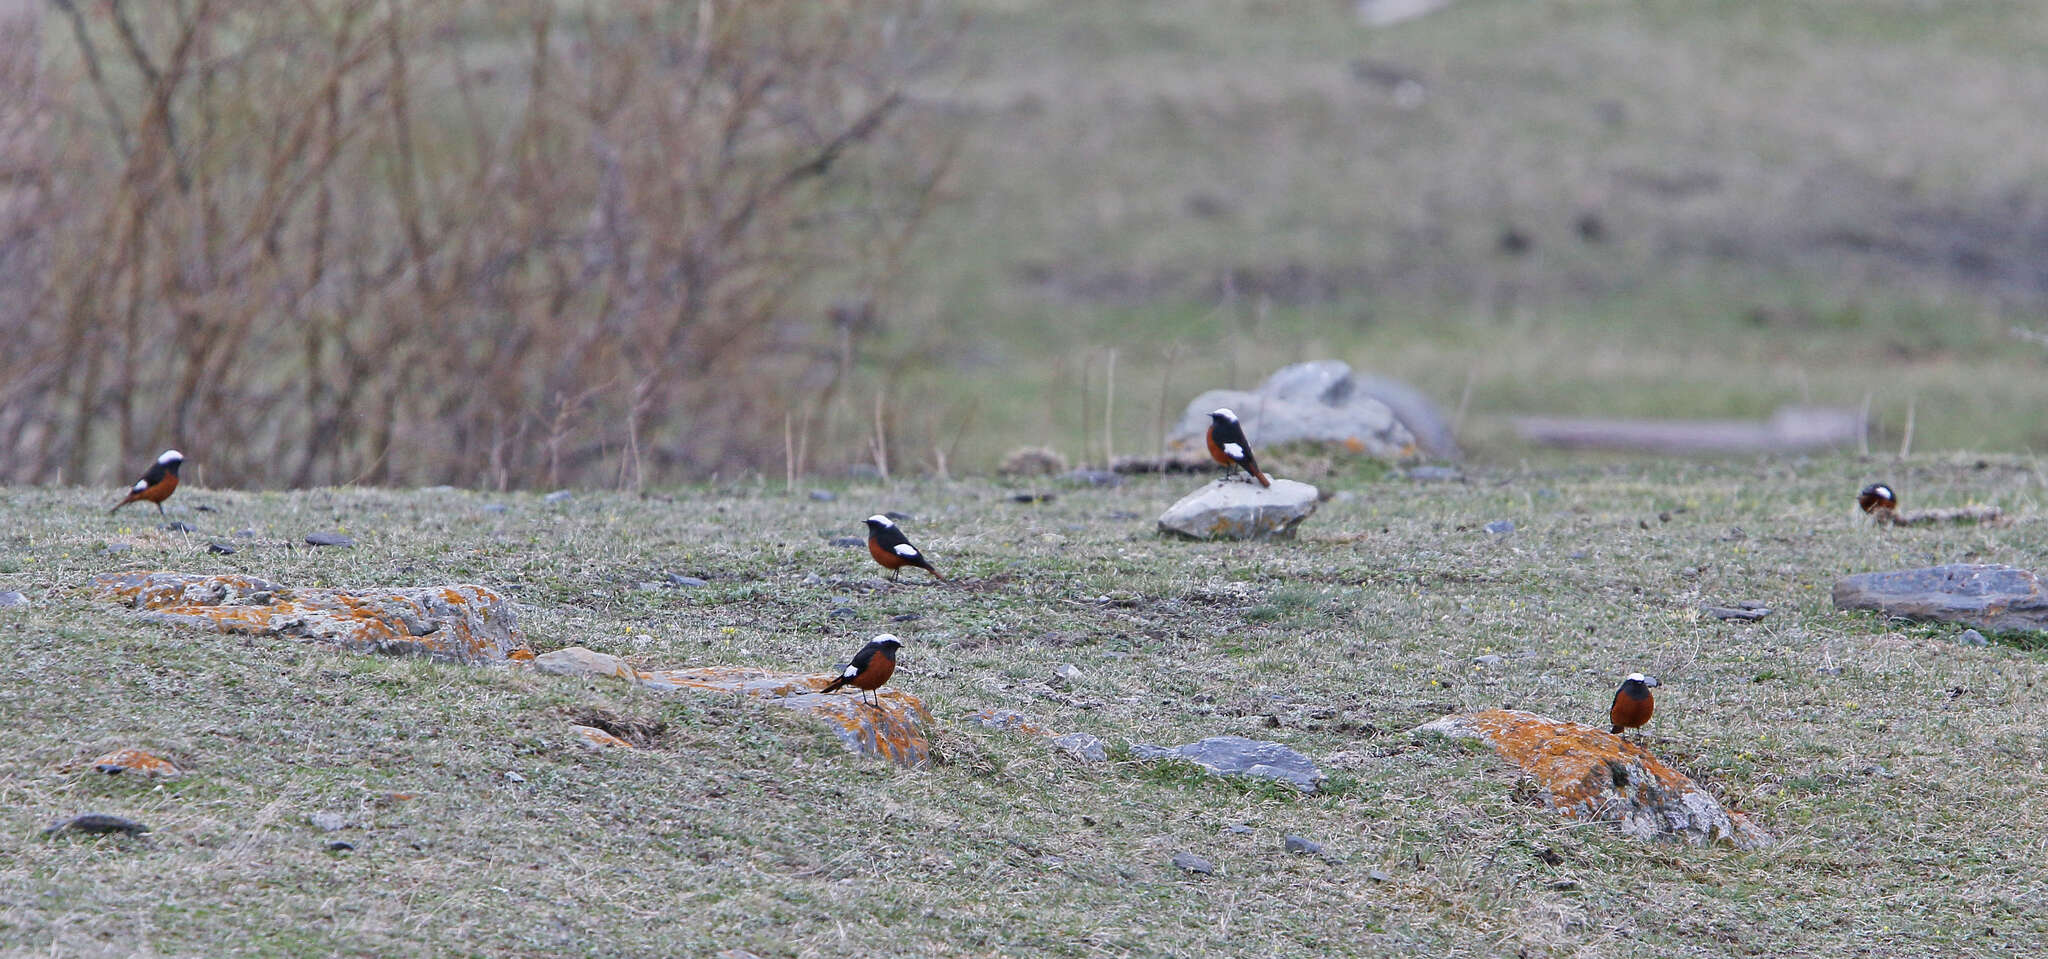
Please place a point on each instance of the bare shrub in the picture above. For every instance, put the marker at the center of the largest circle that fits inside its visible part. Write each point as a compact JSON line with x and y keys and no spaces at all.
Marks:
{"x":408,"y":241}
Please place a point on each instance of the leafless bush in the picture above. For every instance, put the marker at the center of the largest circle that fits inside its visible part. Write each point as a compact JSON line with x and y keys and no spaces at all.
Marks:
{"x":406,"y":241}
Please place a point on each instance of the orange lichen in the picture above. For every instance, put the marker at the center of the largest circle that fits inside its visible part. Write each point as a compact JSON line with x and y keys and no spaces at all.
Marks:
{"x":136,"y":762}
{"x":597,"y":738}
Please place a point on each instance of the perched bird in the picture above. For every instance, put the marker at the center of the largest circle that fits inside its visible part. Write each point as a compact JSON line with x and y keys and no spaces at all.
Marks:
{"x":1228,"y":446}
{"x":1632,"y":703}
{"x":1877,"y":496}
{"x":892,"y":549}
{"x":871,"y":667}
{"x":157,"y":484}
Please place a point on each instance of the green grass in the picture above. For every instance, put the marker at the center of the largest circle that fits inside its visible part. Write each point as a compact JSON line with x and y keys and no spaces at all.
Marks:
{"x":745,"y":827}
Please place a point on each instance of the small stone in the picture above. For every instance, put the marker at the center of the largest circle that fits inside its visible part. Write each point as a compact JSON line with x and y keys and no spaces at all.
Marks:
{"x":116,"y":548}
{"x":906,"y":617}
{"x":11,"y":598}
{"x":1302,"y":846}
{"x":205,"y":508}
{"x":650,"y":585}
{"x":220,"y":549}
{"x":340,"y":845}
{"x":841,"y":612}
{"x":1970,"y":637}
{"x":1236,"y":755}
{"x":179,"y":526}
{"x":136,"y":762}
{"x":1067,"y":672}
{"x":687,"y":582}
{"x":578,"y":661}
{"x":1744,"y":611}
{"x":824,"y":495}
{"x":1501,"y":527}
{"x":1877,"y":770}
{"x":1379,"y":875}
{"x":511,"y":776}
{"x":1088,"y":477}
{"x":1083,"y":746}
{"x":96,"y":823}
{"x":813,"y":579}
{"x":854,"y":542}
{"x":245,"y":534}
{"x":326,"y":821}
{"x":495,"y":508}
{"x":1031,"y":497}
{"x":1238,"y":829}
{"x":329,"y":539}
{"x":1486,"y":660}
{"x":1193,"y":865}
{"x":1564,"y":884}
{"x":558,"y":496}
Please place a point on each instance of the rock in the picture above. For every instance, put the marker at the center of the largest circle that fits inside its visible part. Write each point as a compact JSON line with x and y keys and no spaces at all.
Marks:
{"x":853,"y":542}
{"x":11,"y":598}
{"x":513,"y":777}
{"x":219,"y":548}
{"x":1083,"y":746}
{"x":1742,"y":611}
{"x":116,"y":549}
{"x":1193,"y":865}
{"x":340,"y":845}
{"x":824,"y":495}
{"x":466,"y":624}
{"x":137,"y":763}
{"x":1378,"y":875}
{"x":326,"y":821}
{"x":1501,"y":527}
{"x":1302,"y":846}
{"x":893,"y":731}
{"x":1238,"y":829}
{"x":1985,"y":596}
{"x":1230,"y":508}
{"x":1590,"y":775}
{"x":906,"y":617}
{"x":1238,"y":756}
{"x":1486,"y":660}
{"x":558,"y":496}
{"x":597,"y":740}
{"x":1315,"y":402}
{"x":1971,"y":637}
{"x":245,"y":533}
{"x":578,"y":661}
{"x":179,"y":526}
{"x":1066,"y":672}
{"x":329,"y":539}
{"x":687,"y":582}
{"x":96,"y":823}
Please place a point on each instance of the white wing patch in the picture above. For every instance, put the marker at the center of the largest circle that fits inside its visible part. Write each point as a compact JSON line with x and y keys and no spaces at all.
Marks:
{"x":139,"y":486}
{"x":906,"y":551}
{"x":850,"y":672}
{"x":1233,"y":451}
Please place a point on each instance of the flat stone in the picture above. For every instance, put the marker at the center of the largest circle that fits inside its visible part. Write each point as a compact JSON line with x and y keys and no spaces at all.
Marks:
{"x":219,"y":548}
{"x":328,"y":538}
{"x":1746,"y":611}
{"x":1987,"y":596}
{"x":179,"y":526}
{"x":687,"y":582}
{"x":1193,"y":865}
{"x":1083,"y":746}
{"x":1238,"y":756}
{"x":1590,"y":775}
{"x":466,"y":624}
{"x":96,"y":823}
{"x":1501,"y":527}
{"x":578,"y":661}
{"x":326,"y":821}
{"x":11,"y":598}
{"x":1971,"y":637}
{"x":135,"y":762}
{"x":1486,"y":660}
{"x":1232,"y":508}
{"x":340,"y":845}
{"x":891,"y":727}
{"x":1302,"y":846}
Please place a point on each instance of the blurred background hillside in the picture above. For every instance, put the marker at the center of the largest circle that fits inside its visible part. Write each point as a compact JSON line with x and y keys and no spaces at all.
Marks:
{"x":635,"y":243}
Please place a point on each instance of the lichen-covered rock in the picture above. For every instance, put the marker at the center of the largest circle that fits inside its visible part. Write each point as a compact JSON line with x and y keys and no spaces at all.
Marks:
{"x":1238,"y":756}
{"x":1230,"y":508}
{"x":1318,"y":402}
{"x":135,"y":762}
{"x":1987,"y":596}
{"x":465,"y":624}
{"x":593,"y":738}
{"x":1589,"y":774}
{"x":894,"y":730}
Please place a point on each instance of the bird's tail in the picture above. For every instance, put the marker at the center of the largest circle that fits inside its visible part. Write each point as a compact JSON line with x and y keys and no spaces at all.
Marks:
{"x":935,"y":573}
{"x":834,"y":685}
{"x":117,"y":506}
{"x":1264,"y":480}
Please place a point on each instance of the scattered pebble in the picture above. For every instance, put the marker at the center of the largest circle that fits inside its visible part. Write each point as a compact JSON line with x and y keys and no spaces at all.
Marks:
{"x":1878,"y":770}
{"x":97,"y":823}
{"x":205,"y":508}
{"x":1743,"y":611}
{"x":329,"y":539}
{"x":824,"y":495}
{"x":906,"y":617}
{"x":1302,"y":845}
{"x":12,"y":598}
{"x":326,"y":821}
{"x":495,"y":508}
{"x":1067,"y":672}
{"x":852,"y":541}
{"x":1564,"y":884}
{"x":1085,"y":747}
{"x":1486,"y":660}
{"x":1238,"y":829}
{"x":514,"y":777}
{"x":179,"y":526}
{"x":1193,"y":865}
{"x":1501,"y":527}
{"x":114,"y":548}
{"x":246,"y":533}
{"x":688,"y":582}
{"x":220,"y":548}
{"x":841,"y":612}
{"x":813,"y":579}
{"x":558,"y":496}
{"x":1970,"y":637}
{"x":1379,"y":875}
{"x":340,"y":845}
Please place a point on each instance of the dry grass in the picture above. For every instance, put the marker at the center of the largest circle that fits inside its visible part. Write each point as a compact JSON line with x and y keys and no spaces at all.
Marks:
{"x":746,"y":828}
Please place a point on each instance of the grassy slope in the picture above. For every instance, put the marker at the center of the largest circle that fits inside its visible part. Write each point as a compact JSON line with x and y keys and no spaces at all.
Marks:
{"x":1804,"y":200}
{"x":749,"y":828}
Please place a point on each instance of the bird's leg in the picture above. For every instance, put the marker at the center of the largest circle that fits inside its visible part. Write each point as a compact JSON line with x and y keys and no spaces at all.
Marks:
{"x":160,"y":510}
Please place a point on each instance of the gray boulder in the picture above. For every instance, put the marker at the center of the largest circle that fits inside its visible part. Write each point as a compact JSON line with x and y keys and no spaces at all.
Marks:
{"x":1985,"y":596}
{"x":1324,"y":402}
{"x":1238,"y":756}
{"x":1237,"y":508}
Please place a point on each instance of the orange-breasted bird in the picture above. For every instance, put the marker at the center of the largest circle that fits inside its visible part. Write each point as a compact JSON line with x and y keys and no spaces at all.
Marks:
{"x":1228,"y":446}
{"x":871,"y":667}
{"x":157,"y":484}
{"x":1877,"y":496}
{"x":892,"y":549}
{"x":1633,"y":703}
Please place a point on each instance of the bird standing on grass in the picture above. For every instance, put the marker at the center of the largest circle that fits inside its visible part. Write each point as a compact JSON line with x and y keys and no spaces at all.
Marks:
{"x":892,"y":549}
{"x":1877,"y":496}
{"x":1633,"y":703}
{"x":157,"y":484}
{"x":871,"y":667}
{"x":1227,"y":444}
